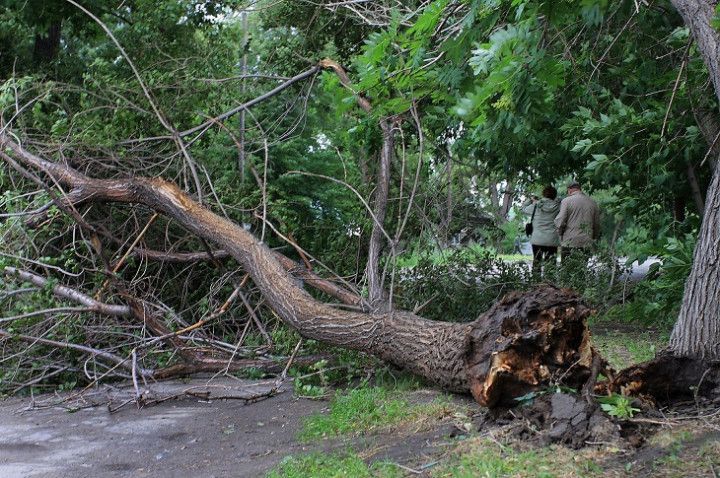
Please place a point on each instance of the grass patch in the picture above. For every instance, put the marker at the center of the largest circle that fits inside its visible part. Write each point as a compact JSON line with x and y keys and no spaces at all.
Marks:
{"x":685,"y":452}
{"x":319,"y":465}
{"x":485,"y":458}
{"x":691,"y":451}
{"x":440,"y":257}
{"x":638,"y":312}
{"x":515,"y":257}
{"x":367,"y":408}
{"x":623,"y":349}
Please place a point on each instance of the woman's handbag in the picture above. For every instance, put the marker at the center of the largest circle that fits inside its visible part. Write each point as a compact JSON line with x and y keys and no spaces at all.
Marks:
{"x":529,"y":225}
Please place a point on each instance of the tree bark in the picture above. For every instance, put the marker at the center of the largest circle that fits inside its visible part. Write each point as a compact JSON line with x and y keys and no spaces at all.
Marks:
{"x":519,"y":345}
{"x":508,"y":196}
{"x":695,"y":189}
{"x":47,"y":47}
{"x":501,"y":209}
{"x":667,"y":379}
{"x":494,"y":199}
{"x":376,"y":290}
{"x":710,"y":128}
{"x":698,"y":15}
{"x":697,"y":331}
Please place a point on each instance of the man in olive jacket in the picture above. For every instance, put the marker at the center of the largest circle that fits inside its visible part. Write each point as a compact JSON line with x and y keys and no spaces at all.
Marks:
{"x":578,"y":222}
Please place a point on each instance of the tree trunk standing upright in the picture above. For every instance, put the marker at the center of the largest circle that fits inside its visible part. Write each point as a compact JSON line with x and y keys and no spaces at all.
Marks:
{"x":47,"y":47}
{"x":243,"y":73}
{"x":697,"y":331}
{"x":501,"y":210}
{"x":376,"y":293}
{"x":382,"y":190}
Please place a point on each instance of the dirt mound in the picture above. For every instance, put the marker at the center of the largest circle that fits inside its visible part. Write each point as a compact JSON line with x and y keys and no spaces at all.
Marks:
{"x":564,"y":419}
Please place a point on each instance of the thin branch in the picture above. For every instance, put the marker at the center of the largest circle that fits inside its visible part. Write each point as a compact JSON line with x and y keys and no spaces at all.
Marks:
{"x":65,"y":292}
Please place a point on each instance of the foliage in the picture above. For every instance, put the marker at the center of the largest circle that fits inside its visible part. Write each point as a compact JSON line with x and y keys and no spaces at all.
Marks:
{"x":661,"y":294}
{"x":656,"y":299}
{"x":502,"y":94}
{"x":465,"y":283}
{"x":618,"y":406}
{"x":304,"y":388}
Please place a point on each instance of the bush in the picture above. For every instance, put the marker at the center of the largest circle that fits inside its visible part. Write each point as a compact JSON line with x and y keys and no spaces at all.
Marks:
{"x":659,"y":296}
{"x":462,"y":286}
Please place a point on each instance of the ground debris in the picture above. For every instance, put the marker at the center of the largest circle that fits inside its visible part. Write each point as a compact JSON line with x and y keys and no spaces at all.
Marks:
{"x":117,"y":397}
{"x":567,"y":419}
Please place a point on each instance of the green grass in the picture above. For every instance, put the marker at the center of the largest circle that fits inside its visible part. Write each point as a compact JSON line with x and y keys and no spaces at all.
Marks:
{"x":439,"y":257}
{"x":367,"y":408}
{"x":687,"y":451}
{"x":514,"y":257}
{"x":623,"y":349}
{"x":690,"y":450}
{"x":319,"y":465}
{"x":487,"y":459}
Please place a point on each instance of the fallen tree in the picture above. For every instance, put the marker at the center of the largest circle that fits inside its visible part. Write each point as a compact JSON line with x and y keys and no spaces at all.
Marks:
{"x":523,"y":343}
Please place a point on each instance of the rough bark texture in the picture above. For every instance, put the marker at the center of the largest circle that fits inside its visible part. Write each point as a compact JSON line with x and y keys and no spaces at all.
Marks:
{"x":697,"y":15}
{"x":376,"y":291}
{"x":518,"y":346}
{"x":710,"y":127}
{"x":697,"y":331}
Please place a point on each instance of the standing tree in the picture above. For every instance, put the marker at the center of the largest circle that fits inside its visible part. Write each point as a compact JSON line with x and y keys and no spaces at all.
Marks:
{"x":697,"y":331}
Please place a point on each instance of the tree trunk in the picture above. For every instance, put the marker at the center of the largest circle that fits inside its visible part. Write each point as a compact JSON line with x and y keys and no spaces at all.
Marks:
{"x":47,"y":47}
{"x":678,"y":208}
{"x":501,"y":209}
{"x":376,"y":290}
{"x":694,"y":183}
{"x":710,"y":128}
{"x":494,"y":200}
{"x":521,"y":344}
{"x":698,"y":15}
{"x":697,"y":331}
{"x":508,"y":196}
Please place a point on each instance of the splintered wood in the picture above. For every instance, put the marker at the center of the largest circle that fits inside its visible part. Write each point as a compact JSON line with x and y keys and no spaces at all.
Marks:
{"x":528,"y":341}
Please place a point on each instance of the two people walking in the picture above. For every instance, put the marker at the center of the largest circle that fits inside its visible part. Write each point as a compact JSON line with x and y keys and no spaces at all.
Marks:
{"x":573,"y":224}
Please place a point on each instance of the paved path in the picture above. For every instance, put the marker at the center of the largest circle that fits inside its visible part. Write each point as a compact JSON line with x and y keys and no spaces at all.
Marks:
{"x":178,"y":438}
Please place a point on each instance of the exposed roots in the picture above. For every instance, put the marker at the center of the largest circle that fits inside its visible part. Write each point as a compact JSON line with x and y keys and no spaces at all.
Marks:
{"x":527,"y":341}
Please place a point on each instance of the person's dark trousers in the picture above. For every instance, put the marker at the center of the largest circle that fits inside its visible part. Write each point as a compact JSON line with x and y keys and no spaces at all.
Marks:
{"x":542,"y":254}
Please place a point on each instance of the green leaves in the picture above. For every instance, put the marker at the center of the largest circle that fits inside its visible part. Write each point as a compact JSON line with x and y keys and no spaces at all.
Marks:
{"x":618,"y":406}
{"x":715,"y":22}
